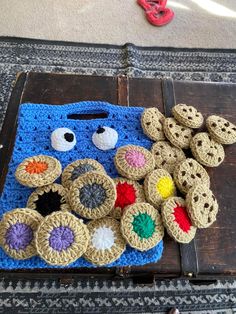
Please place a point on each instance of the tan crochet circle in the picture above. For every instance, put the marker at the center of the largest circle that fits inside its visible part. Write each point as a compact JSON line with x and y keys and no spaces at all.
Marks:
{"x":151,"y":121}
{"x":54,"y":187}
{"x":189,"y":173}
{"x":153,"y":194}
{"x":73,"y":252}
{"x":128,"y":171}
{"x":105,"y":256}
{"x":134,"y":240}
{"x":179,"y":135}
{"x":139,"y":193}
{"x":172,"y":226}
{"x":33,"y":180}
{"x":188,"y":116}
{"x":221,"y":130}
{"x":166,"y":155}
{"x":20,"y":215}
{"x":202,"y":206}
{"x":90,"y":178}
{"x":67,"y":174}
{"x":206,"y":150}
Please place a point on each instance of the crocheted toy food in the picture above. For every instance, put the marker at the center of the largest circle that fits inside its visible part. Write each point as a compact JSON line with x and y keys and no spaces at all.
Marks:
{"x":189,"y":173}
{"x":38,"y":171}
{"x":177,"y":221}
{"x":49,"y":198}
{"x":92,"y":195}
{"x":179,"y":135}
{"x":188,"y":116}
{"x":221,"y":130}
{"x":202,"y":206}
{"x":152,"y":120}
{"x":166,"y":155}
{"x":106,"y":243}
{"x":17,"y":232}
{"x":105,"y":138}
{"x":128,"y":192}
{"x":141,"y":226}
{"x":206,"y":150}
{"x":61,"y":238}
{"x":158,"y":186}
{"x":78,"y":168}
{"x":134,"y":162}
{"x":63,"y":139}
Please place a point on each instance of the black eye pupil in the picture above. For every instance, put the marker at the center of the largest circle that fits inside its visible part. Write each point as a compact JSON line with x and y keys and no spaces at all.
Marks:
{"x":100,"y":130}
{"x":69,"y":137}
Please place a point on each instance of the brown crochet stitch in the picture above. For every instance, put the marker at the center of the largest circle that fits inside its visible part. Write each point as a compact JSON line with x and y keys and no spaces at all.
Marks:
{"x":152,"y":120}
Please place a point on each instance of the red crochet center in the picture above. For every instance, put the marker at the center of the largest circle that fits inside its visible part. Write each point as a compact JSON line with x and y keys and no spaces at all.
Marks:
{"x":182,"y":219}
{"x":125,"y":195}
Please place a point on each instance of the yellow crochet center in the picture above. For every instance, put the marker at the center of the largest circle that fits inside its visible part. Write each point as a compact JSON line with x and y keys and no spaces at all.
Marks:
{"x":165,"y":187}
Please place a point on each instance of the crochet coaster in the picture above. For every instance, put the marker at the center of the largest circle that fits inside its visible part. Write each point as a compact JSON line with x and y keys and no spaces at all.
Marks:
{"x":92,"y":195}
{"x":189,"y":173}
{"x":106,"y":242}
{"x":61,"y":238}
{"x":79,"y":167}
{"x":158,"y":186}
{"x":128,"y":192}
{"x":17,"y":232}
{"x":141,"y":226}
{"x":206,"y":150}
{"x":176,"y":220}
{"x":202,"y":206}
{"x":134,"y":162}
{"x":152,"y":120}
{"x":38,"y":171}
{"x":49,"y":198}
{"x":188,"y":116}
{"x":221,"y":130}
{"x":166,"y":155}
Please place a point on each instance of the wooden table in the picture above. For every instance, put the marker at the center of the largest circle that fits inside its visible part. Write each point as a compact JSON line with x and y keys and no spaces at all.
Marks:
{"x":212,"y":255}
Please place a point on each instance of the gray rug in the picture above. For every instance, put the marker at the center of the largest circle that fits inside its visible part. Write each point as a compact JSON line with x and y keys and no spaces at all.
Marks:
{"x":87,"y":295}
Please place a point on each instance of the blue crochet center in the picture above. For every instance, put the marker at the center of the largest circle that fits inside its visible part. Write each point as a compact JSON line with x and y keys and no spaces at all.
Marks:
{"x":36,"y":122}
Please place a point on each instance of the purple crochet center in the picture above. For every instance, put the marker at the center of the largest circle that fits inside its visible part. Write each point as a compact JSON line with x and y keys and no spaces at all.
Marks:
{"x":61,"y":238}
{"x":19,"y":236}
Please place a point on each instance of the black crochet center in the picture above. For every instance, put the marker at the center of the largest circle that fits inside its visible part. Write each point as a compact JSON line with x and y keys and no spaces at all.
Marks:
{"x":48,"y":203}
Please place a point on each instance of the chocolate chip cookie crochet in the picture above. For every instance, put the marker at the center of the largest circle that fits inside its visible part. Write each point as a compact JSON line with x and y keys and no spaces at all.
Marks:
{"x":221,"y":130}
{"x":152,"y":120}
{"x":206,"y":150}
{"x":188,"y":116}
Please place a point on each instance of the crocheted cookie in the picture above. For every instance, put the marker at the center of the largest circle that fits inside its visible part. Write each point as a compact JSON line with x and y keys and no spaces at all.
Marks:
{"x":141,"y":226}
{"x":105,"y":138}
{"x":61,"y":238}
{"x":221,"y":130}
{"x":106,"y":242}
{"x":92,"y":195}
{"x":48,"y":199}
{"x":189,"y":173}
{"x":166,"y":155}
{"x":134,"y":162}
{"x":188,"y":116}
{"x":176,"y":220}
{"x":202,"y":206}
{"x":17,"y":232}
{"x":79,"y":167}
{"x":176,"y":133}
{"x":128,"y":192}
{"x":206,"y":150}
{"x":38,"y":171}
{"x":158,"y":186}
{"x":152,"y":120}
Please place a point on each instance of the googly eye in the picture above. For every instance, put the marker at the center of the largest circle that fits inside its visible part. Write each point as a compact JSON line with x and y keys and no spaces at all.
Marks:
{"x":63,"y":139}
{"x":105,"y":138}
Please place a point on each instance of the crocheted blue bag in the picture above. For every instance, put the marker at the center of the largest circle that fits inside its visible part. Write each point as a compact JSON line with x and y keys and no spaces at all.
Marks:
{"x":36,"y":122}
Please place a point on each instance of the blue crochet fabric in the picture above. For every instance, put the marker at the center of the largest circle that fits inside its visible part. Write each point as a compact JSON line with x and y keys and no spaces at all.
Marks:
{"x":35,"y":124}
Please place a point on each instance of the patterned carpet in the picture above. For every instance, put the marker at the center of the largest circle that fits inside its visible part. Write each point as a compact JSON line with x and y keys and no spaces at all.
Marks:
{"x":89,"y":295}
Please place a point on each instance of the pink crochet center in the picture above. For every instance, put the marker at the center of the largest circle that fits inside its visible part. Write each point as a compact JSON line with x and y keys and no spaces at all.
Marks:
{"x":135,"y":158}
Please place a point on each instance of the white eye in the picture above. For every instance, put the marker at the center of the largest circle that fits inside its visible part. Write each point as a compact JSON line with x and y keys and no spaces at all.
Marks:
{"x":105,"y":138}
{"x":63,"y":139}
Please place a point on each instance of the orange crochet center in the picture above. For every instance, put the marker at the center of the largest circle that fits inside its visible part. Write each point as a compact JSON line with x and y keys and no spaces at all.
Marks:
{"x":36,"y":167}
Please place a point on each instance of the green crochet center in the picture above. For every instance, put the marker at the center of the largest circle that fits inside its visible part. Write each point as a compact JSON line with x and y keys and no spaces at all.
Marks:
{"x":143,"y":225}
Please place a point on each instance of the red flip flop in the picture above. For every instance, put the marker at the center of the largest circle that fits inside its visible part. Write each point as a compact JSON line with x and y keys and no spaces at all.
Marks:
{"x":160,"y":16}
{"x":149,"y":4}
